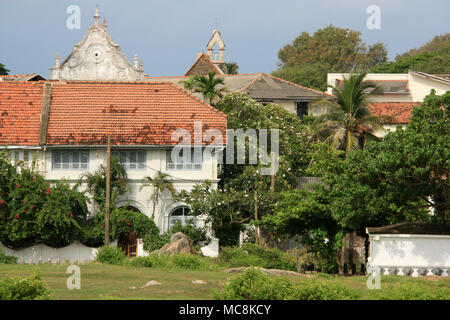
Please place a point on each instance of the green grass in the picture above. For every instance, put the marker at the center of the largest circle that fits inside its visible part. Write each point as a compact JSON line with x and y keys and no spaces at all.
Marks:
{"x":99,"y":281}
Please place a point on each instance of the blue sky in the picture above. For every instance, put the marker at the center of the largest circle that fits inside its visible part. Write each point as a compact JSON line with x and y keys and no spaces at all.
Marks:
{"x":167,"y":34}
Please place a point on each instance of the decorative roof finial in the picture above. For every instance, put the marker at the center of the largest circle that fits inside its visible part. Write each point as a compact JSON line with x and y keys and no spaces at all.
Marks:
{"x":96,"y":17}
{"x":105,"y":26}
{"x":136,"y":60}
{"x":58,"y":60}
{"x":141,"y":66}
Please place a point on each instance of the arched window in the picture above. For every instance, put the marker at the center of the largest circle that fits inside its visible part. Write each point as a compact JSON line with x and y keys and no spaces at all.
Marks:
{"x":181,"y":214}
{"x":216,"y":53}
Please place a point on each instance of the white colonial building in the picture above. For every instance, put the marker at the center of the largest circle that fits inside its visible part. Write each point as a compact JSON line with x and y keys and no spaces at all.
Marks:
{"x":62,"y":124}
{"x":401,"y":93}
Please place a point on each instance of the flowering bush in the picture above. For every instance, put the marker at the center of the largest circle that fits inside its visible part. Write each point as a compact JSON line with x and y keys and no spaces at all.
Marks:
{"x":31,"y":210}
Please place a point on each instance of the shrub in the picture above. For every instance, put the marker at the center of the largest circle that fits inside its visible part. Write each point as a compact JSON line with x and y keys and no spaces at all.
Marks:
{"x":155,"y":241}
{"x":254,"y":285}
{"x":18,"y":288}
{"x":252,"y":255}
{"x":409,"y":291}
{"x":187,"y":261}
{"x":7,"y":259}
{"x":317,"y":290}
{"x":141,"y":262}
{"x":111,"y":255}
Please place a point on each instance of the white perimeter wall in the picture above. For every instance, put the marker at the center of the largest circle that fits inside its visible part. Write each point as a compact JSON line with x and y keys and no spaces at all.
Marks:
{"x":75,"y":252}
{"x":410,"y":251}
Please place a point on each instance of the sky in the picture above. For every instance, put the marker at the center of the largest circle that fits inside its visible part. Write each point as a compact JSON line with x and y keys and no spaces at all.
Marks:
{"x":167,"y":34}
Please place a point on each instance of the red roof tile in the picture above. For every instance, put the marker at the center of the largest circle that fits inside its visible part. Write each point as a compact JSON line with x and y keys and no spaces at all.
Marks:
{"x":400,"y":111}
{"x":133,"y":113}
{"x":20,"y":111}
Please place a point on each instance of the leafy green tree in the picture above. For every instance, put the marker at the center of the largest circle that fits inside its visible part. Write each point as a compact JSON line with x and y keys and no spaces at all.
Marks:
{"x":231,"y":68}
{"x":348,"y":123}
{"x":244,"y":194}
{"x":402,"y":177}
{"x":308,"y":59}
{"x":159,"y":184}
{"x":433,"y":57}
{"x":3,"y":70}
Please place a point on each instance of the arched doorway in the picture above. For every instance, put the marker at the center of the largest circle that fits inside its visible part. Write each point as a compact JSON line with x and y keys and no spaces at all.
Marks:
{"x":127,"y":241}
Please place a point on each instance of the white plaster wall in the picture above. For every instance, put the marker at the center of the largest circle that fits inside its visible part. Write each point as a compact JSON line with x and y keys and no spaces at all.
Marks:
{"x":75,"y":252}
{"x":420,"y":87}
{"x":155,"y":161}
{"x":288,"y":105}
{"x":409,"y":251}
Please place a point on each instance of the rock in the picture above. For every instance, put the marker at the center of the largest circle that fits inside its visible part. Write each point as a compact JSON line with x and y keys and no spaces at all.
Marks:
{"x":151,"y":283}
{"x":132,"y":288}
{"x":199,"y":282}
{"x":179,"y":243}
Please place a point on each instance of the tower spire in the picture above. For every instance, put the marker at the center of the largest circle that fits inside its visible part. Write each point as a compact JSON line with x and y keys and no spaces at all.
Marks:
{"x":96,"y":17}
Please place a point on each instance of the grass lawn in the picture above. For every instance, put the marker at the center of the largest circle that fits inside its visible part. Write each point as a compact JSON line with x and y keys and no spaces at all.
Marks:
{"x":100,"y":281}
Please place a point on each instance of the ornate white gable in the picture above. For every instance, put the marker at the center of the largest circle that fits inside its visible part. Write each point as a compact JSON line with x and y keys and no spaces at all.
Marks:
{"x":97,"y":57}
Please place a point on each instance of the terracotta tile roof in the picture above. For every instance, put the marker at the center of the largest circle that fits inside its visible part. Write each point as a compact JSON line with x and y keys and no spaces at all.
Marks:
{"x":202,"y":66}
{"x":20,"y":110}
{"x":400,"y":111}
{"x":133,"y":113}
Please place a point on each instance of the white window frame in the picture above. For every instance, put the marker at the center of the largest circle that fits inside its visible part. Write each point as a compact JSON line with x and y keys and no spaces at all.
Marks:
{"x":27,"y":156}
{"x":172,"y":166}
{"x":70,"y":160}
{"x":184,"y":218}
{"x":134,"y":159}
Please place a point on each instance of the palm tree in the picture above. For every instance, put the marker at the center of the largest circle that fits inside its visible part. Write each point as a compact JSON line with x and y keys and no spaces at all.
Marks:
{"x":190,"y":83}
{"x":347,"y":123}
{"x":159,"y":184}
{"x":231,"y":68}
{"x":96,"y":182}
{"x":207,"y":86}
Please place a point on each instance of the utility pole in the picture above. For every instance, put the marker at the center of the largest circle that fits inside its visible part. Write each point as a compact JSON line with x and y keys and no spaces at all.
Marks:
{"x":272,"y":184}
{"x":108,"y":190}
{"x":256,"y":218}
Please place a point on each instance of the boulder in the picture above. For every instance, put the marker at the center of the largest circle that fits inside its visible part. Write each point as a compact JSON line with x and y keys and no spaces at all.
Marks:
{"x":179,"y":243}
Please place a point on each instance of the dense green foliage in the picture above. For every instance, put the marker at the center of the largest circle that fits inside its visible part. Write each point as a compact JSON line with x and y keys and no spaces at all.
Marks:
{"x":3,"y":70}
{"x":7,"y":259}
{"x":252,"y":255}
{"x":254,"y":285}
{"x":32,"y":210}
{"x":395,"y":180}
{"x":233,"y":203}
{"x":19,"y":288}
{"x":309,"y":58}
{"x":433,"y":57}
{"x":175,"y":261}
{"x":111,"y":255}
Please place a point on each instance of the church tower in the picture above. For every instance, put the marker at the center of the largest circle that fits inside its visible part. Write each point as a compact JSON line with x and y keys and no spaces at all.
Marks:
{"x":216,"y":49}
{"x":97,"y":57}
